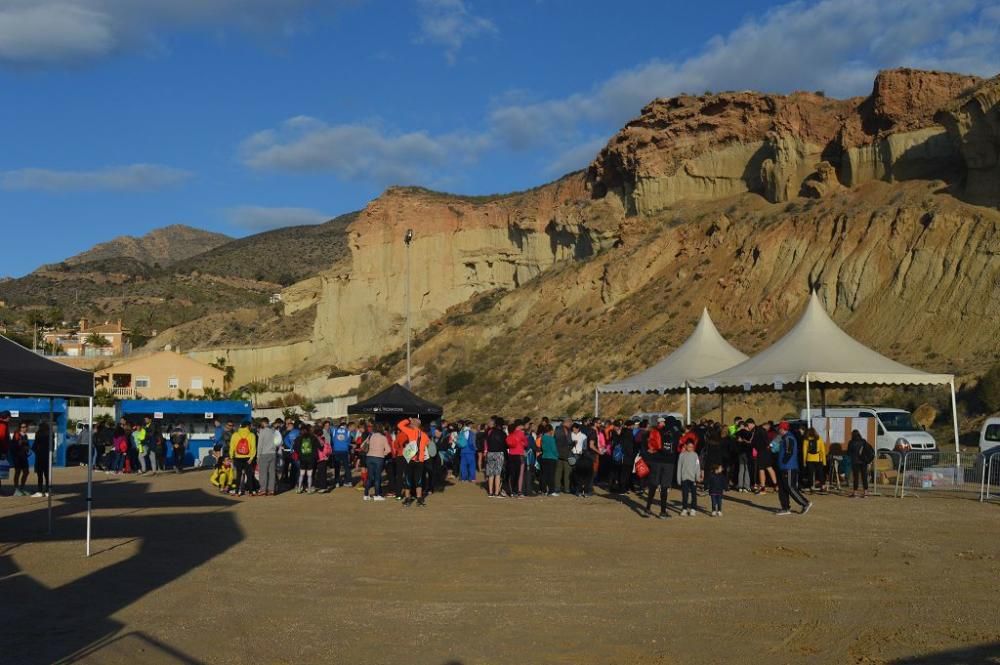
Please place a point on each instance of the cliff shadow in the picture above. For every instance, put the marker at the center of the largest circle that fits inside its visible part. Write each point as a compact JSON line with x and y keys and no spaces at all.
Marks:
{"x":983,"y":654}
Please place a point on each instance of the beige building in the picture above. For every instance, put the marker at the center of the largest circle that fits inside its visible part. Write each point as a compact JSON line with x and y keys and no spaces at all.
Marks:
{"x":160,"y":375}
{"x":107,"y":339}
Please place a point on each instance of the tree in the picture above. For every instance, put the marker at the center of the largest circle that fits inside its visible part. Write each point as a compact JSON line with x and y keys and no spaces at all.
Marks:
{"x":309,"y":409}
{"x":290,"y":414}
{"x":254,"y":388}
{"x":104,"y":397}
{"x":228,"y":371}
{"x":95,"y":339}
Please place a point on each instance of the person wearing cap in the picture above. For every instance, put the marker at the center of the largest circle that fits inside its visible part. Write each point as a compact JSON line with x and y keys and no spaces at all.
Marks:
{"x":243,"y":449}
{"x":788,"y":478}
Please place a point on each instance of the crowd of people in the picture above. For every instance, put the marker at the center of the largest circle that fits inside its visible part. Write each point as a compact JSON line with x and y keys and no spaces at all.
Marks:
{"x":409,"y":459}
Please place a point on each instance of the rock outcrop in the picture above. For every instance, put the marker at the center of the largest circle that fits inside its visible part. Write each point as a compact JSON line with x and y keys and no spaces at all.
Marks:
{"x":703,"y":148}
{"x":461,"y":247}
{"x":973,"y":122}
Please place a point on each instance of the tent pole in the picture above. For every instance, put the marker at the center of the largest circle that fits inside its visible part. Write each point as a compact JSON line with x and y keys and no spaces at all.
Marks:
{"x":597,"y":401}
{"x":688,"y":390}
{"x":954,"y":415}
{"x":90,"y":466}
{"x":809,"y":412}
{"x":822,"y":398}
{"x":51,"y":444}
{"x":722,"y":408}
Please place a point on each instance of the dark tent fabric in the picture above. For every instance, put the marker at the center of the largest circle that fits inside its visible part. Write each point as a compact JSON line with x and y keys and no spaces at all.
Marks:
{"x":396,"y":401}
{"x":24,"y":372}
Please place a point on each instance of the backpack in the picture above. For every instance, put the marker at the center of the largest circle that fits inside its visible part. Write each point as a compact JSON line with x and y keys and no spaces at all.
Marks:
{"x":243,"y":446}
{"x":813,"y":446}
{"x":463,"y":438}
{"x":306,"y":446}
{"x":341,"y":435}
{"x":618,"y":454}
{"x":432,"y":449}
{"x":867,"y":453}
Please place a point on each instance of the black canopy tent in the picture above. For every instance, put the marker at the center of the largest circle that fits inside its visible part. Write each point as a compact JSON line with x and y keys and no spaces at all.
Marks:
{"x":396,"y":402}
{"x":24,"y":373}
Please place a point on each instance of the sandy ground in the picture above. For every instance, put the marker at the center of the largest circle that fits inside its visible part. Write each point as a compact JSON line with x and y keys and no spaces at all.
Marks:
{"x":183,"y":575}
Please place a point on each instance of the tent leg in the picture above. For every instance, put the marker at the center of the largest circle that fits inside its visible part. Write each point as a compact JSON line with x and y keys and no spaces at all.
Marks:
{"x":809,"y":411}
{"x":90,"y":466}
{"x":954,"y":415}
{"x":722,"y":408}
{"x":52,"y":442}
{"x":688,"y":390}
{"x":822,"y":399}
{"x":597,"y":402}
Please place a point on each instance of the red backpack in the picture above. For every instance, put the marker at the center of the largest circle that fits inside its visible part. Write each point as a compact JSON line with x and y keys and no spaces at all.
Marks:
{"x":243,"y":446}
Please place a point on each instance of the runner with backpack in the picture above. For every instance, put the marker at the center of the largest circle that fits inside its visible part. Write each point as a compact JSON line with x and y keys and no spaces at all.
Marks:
{"x":862,"y":454}
{"x":466,"y":442}
{"x":306,"y":450}
{"x":788,"y":476}
{"x":342,"y":455}
{"x":243,"y":449}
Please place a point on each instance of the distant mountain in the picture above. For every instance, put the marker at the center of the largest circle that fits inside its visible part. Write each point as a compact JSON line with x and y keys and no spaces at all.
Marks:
{"x":282,"y":256}
{"x":160,"y":247}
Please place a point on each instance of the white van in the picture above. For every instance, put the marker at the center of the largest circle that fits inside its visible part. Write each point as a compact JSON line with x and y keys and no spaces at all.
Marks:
{"x":989,"y":437}
{"x":893,"y":424}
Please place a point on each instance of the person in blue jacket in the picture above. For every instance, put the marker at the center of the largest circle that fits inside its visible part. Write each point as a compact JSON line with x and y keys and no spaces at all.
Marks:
{"x":467,"y":452}
{"x":342,"y":455}
{"x":788,"y":472}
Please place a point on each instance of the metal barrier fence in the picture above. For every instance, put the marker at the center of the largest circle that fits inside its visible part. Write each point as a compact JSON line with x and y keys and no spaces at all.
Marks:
{"x":927,"y":472}
{"x":885,"y":472}
{"x":990,"y":486}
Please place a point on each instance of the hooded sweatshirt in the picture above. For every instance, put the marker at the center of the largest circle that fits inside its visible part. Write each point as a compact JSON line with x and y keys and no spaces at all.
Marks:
{"x":235,"y":443}
{"x":688,"y":466}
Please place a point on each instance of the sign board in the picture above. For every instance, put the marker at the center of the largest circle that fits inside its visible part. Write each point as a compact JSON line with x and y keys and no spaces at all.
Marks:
{"x":15,"y":414}
{"x":778,"y":385}
{"x":747,"y":386}
{"x":836,"y":431}
{"x":209,"y":415}
{"x":158,"y":415}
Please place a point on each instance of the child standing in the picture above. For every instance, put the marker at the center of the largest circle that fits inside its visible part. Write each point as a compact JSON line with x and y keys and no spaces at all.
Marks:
{"x":717,"y":482}
{"x":689,"y":472}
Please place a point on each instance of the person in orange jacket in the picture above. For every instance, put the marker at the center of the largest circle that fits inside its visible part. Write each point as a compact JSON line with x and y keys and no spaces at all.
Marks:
{"x":415,"y":454}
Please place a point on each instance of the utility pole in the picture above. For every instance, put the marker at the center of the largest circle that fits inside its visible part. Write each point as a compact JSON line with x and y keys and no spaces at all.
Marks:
{"x":408,"y":239}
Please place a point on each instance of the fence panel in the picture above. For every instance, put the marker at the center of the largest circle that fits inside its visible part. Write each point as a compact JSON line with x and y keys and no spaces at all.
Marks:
{"x":885,"y":471}
{"x":941,"y":473}
{"x":990,"y":486}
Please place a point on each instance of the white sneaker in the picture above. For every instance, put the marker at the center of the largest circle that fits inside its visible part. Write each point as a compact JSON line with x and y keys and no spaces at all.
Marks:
{"x":720,"y":513}
{"x":37,"y":495}
{"x":691,"y":513}
{"x":379,"y":498}
{"x":367,"y":498}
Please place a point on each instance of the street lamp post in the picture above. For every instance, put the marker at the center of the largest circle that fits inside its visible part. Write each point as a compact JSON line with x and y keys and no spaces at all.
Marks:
{"x":408,"y":239}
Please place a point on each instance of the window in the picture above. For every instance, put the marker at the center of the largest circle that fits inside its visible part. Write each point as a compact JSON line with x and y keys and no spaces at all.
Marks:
{"x":172,"y":383}
{"x":898,"y":421}
{"x":142,"y":382}
{"x":993,"y":432}
{"x":196,"y":383}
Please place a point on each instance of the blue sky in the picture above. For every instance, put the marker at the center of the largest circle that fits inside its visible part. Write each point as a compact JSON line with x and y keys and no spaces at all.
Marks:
{"x":121,"y":116}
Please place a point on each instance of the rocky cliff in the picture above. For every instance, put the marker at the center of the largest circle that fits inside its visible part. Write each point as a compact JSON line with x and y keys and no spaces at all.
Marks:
{"x":704,"y":148}
{"x":461,"y":247}
{"x":973,"y":122}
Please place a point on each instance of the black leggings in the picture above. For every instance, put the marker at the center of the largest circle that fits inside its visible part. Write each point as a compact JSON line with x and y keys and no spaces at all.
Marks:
{"x":42,"y":471}
{"x":514,"y":473}
{"x":860,"y":469}
{"x":548,"y":484}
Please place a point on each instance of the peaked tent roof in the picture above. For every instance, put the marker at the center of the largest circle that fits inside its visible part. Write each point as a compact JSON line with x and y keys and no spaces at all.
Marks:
{"x":817,"y":349}
{"x":704,"y":352}
{"x":24,"y":372}
{"x":396,"y":401}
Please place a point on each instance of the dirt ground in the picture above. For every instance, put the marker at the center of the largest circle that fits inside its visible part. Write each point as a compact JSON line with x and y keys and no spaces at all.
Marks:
{"x":181,"y":574}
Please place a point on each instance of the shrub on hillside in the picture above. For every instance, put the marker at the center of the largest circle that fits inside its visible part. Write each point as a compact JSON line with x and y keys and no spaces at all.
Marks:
{"x":455,"y":382}
{"x":988,"y":389}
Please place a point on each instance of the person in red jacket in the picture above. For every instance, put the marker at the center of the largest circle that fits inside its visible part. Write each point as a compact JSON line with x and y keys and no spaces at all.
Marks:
{"x":689,"y":436}
{"x":516,"y":443}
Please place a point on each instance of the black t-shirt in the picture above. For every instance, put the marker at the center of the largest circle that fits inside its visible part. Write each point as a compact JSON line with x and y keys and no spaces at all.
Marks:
{"x":626,"y":441}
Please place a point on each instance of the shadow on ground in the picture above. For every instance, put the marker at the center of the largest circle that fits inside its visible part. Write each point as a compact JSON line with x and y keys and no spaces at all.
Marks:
{"x":984,"y":654}
{"x":67,"y":623}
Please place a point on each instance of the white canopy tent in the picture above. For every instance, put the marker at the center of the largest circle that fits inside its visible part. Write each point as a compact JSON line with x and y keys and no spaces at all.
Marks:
{"x":704,"y":352}
{"x":817,"y":351}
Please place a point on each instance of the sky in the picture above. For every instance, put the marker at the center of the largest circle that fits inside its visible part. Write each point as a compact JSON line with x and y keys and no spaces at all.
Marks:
{"x":122,"y":116}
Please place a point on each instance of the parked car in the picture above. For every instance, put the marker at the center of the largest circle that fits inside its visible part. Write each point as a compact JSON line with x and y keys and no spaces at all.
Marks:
{"x":989,"y":437}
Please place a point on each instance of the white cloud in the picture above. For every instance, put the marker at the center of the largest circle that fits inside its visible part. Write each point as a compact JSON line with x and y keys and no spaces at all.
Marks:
{"x":360,"y":152}
{"x":833,"y":45}
{"x":46,"y":32}
{"x":576,"y":157}
{"x":259,"y":218}
{"x":134,"y":177}
{"x":450,"y":24}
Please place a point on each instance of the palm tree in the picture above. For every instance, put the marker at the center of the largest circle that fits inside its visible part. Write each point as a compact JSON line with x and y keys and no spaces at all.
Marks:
{"x":254,"y":388}
{"x":228,"y":371}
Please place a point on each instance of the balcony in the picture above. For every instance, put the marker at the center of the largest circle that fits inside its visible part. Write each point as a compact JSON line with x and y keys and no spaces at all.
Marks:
{"x":124,"y":392}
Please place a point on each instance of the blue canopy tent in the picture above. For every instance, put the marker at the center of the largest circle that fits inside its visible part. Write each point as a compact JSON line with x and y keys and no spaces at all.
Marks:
{"x":36,"y":410}
{"x":194,"y":416}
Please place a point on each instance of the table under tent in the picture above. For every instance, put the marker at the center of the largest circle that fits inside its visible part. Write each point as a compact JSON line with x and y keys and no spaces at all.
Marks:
{"x":395,"y":403}
{"x":24,"y":373}
{"x":817,"y":352}
{"x":704,"y":352}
